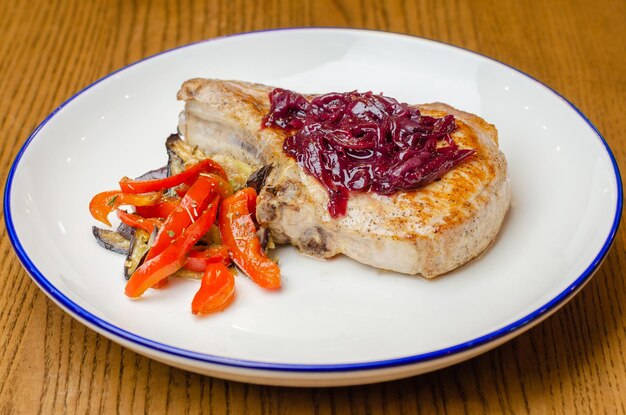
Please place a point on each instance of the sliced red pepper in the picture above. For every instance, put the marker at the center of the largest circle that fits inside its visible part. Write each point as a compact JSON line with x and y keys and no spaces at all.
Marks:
{"x":198,"y":260}
{"x":104,"y":203}
{"x":161,"y":209}
{"x":223,"y":188}
{"x":239,"y":235}
{"x":174,"y":256}
{"x":217,"y":290}
{"x":136,"y":221}
{"x":194,"y":202}
{"x":185,"y":213}
{"x":251,"y":195}
{"x":181,"y":190}
{"x":188,"y":176}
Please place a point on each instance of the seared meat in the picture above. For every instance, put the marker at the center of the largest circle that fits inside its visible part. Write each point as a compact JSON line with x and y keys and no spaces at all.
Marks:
{"x":428,"y":231}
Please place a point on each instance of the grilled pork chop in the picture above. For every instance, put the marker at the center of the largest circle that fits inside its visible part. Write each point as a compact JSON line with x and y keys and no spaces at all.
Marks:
{"x":428,"y":231}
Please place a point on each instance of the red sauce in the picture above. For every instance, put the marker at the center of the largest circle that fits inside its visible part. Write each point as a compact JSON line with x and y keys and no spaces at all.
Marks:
{"x":363,"y":142}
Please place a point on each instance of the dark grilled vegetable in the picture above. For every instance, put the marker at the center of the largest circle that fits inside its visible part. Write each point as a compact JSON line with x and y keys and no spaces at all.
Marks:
{"x":139,"y":246}
{"x":257,"y":179}
{"x":212,"y":237}
{"x":174,"y":163}
{"x":126,"y":231}
{"x":180,"y":154}
{"x":185,"y":273}
{"x":159,"y":173}
{"x":111,"y":240}
{"x":264,"y":237}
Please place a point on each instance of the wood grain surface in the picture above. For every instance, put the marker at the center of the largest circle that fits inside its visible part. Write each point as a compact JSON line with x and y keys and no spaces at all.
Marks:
{"x":575,"y":362}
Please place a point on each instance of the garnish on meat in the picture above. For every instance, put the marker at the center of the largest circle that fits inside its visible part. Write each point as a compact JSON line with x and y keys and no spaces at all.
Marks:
{"x":360,"y":142}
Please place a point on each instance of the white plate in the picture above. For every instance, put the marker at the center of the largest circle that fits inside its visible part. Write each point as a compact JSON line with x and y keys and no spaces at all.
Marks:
{"x":334,"y":322}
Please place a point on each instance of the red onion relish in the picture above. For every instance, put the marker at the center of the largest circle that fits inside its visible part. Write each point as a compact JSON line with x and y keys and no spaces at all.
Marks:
{"x":363,"y":142}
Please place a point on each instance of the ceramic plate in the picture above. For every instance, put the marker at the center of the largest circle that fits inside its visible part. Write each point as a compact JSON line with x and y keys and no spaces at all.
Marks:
{"x":335,"y":322}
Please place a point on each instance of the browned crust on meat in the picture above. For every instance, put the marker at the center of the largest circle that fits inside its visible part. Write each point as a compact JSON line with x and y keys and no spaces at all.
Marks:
{"x":257,"y":104}
{"x":459,"y":186}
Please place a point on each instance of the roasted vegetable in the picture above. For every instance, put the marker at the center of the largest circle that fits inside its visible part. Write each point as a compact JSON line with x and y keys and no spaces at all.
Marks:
{"x":238,"y":171}
{"x":191,"y":206}
{"x":136,"y":221}
{"x":264,"y":238}
{"x":187,"y":176}
{"x":223,"y":187}
{"x":257,"y":179}
{"x":139,"y":246}
{"x":198,"y":260}
{"x":175,"y":163}
{"x":239,"y":235}
{"x":217,"y":290}
{"x":104,"y":203}
{"x":172,"y":228}
{"x":180,"y":154}
{"x":159,"y":173}
{"x":173,"y":257}
{"x":126,"y":231}
{"x":111,"y":240}
{"x":188,"y":274}
{"x":161,"y":209}
{"x":212,"y":237}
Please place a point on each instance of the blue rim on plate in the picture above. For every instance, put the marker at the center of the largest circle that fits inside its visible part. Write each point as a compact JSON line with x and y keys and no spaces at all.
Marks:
{"x":83,"y":314}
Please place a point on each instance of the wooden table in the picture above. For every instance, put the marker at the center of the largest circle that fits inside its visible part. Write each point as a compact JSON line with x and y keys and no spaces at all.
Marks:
{"x":573,"y":362}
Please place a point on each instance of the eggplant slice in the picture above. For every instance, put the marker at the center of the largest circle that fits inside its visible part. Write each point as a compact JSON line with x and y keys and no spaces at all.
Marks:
{"x":111,"y":240}
{"x":126,"y":231}
{"x":160,"y":173}
{"x":180,"y":154}
{"x":264,"y":237}
{"x":257,"y":179}
{"x":185,"y":273}
{"x":139,"y":247}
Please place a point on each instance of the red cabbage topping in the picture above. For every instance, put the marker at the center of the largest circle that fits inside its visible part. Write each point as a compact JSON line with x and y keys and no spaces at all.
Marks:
{"x":363,"y":142}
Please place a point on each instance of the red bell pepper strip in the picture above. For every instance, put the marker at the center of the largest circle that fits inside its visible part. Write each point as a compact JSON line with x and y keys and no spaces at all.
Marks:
{"x":104,"y":203}
{"x":136,"y":221}
{"x":161,"y":209}
{"x":223,"y":188}
{"x":192,"y":204}
{"x":188,"y":176}
{"x":239,"y":235}
{"x":174,"y":256}
{"x":251,"y":194}
{"x":199,"y":260}
{"x":217,"y":290}
{"x":181,"y":190}
{"x":185,"y":213}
